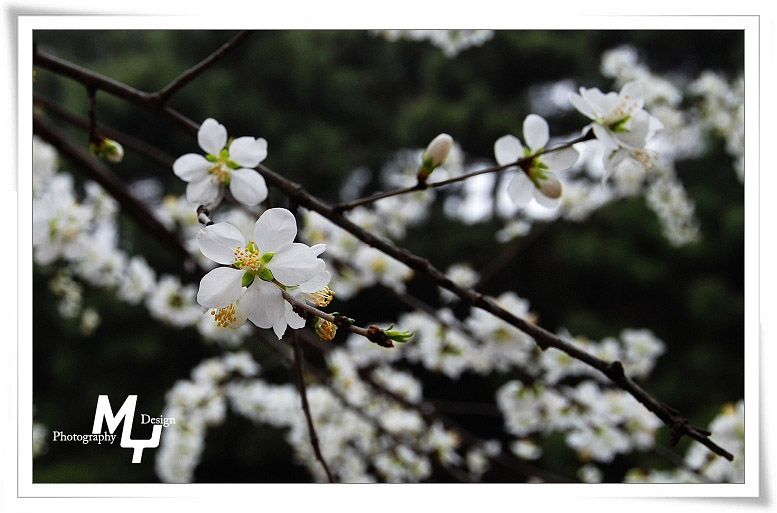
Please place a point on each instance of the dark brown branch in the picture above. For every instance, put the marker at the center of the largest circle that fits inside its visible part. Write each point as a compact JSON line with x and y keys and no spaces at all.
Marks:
{"x":306,"y":407}
{"x":92,"y":114}
{"x":126,"y":140}
{"x":190,"y":74}
{"x":100,"y":173}
{"x":90,"y":79}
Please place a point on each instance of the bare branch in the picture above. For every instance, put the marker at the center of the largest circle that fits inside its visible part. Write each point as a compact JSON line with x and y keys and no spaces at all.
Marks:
{"x":187,"y":76}
{"x":422,"y":185}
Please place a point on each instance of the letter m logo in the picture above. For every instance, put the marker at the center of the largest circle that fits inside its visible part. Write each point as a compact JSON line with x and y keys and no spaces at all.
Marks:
{"x":104,"y":413}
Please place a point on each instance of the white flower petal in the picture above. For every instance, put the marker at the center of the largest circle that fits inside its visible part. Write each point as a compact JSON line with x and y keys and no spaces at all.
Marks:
{"x":274,"y":229}
{"x":603,"y":136}
{"x":536,"y":132}
{"x":521,"y":189}
{"x":560,"y":160}
{"x":279,"y":326}
{"x":202,"y":191}
{"x":292,"y":319}
{"x":581,"y":105}
{"x":602,"y":104}
{"x":632,"y":94}
{"x":212,"y":136}
{"x":247,"y":186}
{"x":318,"y":249}
{"x":219,"y":241}
{"x":507,"y":149}
{"x":637,"y":132}
{"x":294,"y":263}
{"x":220,"y":287}
{"x":263,"y":303}
{"x":247,"y":151}
{"x":317,"y":282}
{"x":240,"y":315}
{"x":545,"y":201}
{"x":191,"y":167}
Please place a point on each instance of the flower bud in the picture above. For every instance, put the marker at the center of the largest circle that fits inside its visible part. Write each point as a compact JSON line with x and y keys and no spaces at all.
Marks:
{"x":435,"y":155}
{"x":550,"y":186}
{"x":107,"y":148}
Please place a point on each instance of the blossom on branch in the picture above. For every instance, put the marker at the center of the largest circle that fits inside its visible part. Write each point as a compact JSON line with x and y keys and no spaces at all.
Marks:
{"x":537,"y":178}
{"x":224,"y":164}
{"x":256,"y":273}
{"x":620,"y":123}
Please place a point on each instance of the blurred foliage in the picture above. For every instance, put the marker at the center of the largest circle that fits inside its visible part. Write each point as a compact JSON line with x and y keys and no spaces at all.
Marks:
{"x":331,"y":101}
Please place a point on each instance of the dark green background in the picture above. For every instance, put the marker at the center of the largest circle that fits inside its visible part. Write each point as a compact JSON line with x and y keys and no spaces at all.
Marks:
{"x":330,"y":101}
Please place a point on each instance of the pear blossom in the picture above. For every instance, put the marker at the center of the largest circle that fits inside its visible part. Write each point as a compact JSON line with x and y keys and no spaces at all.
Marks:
{"x":250,"y":287}
{"x":538,"y":178}
{"x":620,"y":123}
{"x":223,"y":165}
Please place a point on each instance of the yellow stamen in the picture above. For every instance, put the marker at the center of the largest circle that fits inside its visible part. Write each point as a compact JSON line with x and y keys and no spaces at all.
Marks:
{"x":325,"y":329}
{"x":323,"y":297}
{"x":224,"y":316}
{"x":248,"y":258}
{"x":220,"y":172}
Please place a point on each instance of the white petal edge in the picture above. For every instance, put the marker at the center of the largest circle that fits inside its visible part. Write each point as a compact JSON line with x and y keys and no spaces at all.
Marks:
{"x":191,"y":167}
{"x":262,"y":303}
{"x":274,"y":229}
{"x":560,"y":160}
{"x":536,"y":132}
{"x":212,"y":136}
{"x":220,"y":287}
{"x":507,"y":149}
{"x":247,"y":151}
{"x":202,"y":191}
{"x":247,"y":186}
{"x":294,"y":264}
{"x":219,"y":241}
{"x":581,"y":105}
{"x":521,"y":189}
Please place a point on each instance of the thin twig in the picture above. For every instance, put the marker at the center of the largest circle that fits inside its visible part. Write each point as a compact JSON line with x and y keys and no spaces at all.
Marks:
{"x":306,"y":407}
{"x":420,"y":186}
{"x":126,"y":140}
{"x":372,"y":333}
{"x":322,"y":379}
{"x":187,"y":76}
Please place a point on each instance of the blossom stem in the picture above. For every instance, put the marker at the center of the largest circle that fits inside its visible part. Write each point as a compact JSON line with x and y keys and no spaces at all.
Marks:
{"x":372,"y":333}
{"x":421,"y":185}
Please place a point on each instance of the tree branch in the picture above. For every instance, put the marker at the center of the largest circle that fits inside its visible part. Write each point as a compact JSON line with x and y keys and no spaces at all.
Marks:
{"x":421,"y":185}
{"x":190,"y":74}
{"x":306,"y":407}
